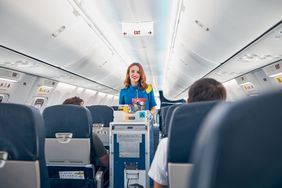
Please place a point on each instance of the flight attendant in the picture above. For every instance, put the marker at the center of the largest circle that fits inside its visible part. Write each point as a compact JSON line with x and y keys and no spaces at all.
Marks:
{"x":136,"y":90}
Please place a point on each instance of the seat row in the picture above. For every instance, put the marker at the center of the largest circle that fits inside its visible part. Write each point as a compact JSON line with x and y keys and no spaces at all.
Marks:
{"x":61,"y":138}
{"x":219,"y":144}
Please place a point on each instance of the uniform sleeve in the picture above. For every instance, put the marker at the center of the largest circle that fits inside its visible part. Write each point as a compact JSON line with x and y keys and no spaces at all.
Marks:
{"x":158,"y":170}
{"x":99,"y":148}
{"x":152,"y":101}
{"x":121,"y":97}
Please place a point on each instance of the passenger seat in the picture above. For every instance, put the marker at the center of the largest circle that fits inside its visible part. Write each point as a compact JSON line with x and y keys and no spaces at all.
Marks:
{"x":240,"y":145}
{"x":22,"y":161}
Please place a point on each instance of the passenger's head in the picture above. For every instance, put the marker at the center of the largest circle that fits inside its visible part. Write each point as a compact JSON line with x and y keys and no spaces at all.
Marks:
{"x":206,"y":89}
{"x":135,"y":74}
{"x":74,"y":100}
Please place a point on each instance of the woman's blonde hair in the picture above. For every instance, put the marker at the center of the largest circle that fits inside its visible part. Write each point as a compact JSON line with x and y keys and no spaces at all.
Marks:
{"x":142,"y":80}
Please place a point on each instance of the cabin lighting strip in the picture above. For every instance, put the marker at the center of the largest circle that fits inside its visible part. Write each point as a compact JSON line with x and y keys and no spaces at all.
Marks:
{"x":9,"y":80}
{"x":246,"y":83}
{"x":274,"y":75}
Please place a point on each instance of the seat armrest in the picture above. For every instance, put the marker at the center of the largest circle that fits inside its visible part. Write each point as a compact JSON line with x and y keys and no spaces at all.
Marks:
{"x":100,"y":177}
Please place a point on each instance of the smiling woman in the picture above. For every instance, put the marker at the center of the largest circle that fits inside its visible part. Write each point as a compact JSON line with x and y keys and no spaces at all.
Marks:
{"x":52,"y":50}
{"x":136,"y":90}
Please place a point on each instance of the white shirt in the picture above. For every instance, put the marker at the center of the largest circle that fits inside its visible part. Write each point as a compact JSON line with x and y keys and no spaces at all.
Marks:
{"x":158,"y":170}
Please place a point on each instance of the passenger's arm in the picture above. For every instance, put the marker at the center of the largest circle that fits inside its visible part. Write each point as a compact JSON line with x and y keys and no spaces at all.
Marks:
{"x":100,"y":151}
{"x":153,"y":110}
{"x":158,"y":170}
{"x":104,"y":160}
{"x":156,"y":185}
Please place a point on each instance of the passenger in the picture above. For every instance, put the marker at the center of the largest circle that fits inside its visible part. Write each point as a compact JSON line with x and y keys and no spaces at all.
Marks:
{"x":205,"y":89}
{"x":135,"y":87}
{"x":74,"y":100}
{"x":99,"y":149}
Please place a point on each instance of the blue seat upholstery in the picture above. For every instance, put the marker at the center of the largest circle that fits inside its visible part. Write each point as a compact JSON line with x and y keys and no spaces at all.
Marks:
{"x":22,"y":141}
{"x":183,"y":129}
{"x":155,"y":139}
{"x":101,"y":114}
{"x":67,"y":118}
{"x":71,"y":152}
{"x":163,"y":112}
{"x":168,"y":119}
{"x":240,"y":145}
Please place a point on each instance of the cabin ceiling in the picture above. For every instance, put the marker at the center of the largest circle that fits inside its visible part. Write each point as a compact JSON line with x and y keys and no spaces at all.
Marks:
{"x":191,"y":38}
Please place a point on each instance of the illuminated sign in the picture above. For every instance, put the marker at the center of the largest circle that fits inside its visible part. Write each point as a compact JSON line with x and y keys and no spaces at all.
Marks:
{"x":137,"y":29}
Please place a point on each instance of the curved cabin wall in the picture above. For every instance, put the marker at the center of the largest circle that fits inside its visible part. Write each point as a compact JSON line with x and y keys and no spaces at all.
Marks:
{"x":41,"y":92}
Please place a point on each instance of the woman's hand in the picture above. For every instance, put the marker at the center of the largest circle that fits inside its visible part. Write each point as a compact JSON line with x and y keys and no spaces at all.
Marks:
{"x":153,"y":110}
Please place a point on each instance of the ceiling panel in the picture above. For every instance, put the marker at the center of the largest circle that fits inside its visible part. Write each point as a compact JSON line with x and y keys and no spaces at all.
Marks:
{"x":216,"y":30}
{"x":85,"y":38}
{"x":264,"y":51}
{"x":15,"y":61}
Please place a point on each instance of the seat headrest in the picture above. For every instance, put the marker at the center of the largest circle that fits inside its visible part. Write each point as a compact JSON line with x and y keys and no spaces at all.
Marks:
{"x":184,"y":125}
{"x":240,"y":145}
{"x":101,"y":114}
{"x":67,"y":118}
{"x":21,"y":131}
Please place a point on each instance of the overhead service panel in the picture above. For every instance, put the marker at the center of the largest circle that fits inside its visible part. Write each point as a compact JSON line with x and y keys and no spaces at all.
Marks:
{"x":10,"y":76}
{"x":137,"y":29}
{"x":274,"y":71}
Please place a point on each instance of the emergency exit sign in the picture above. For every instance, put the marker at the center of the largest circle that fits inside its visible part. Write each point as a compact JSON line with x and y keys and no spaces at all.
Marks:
{"x":137,"y":29}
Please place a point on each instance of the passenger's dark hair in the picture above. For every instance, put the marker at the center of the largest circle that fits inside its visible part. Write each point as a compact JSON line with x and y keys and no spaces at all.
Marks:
{"x":73,"y":100}
{"x":206,"y":89}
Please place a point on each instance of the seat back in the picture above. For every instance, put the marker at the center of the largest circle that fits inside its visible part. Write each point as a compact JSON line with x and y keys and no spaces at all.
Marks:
{"x":22,"y":162}
{"x":166,"y":102}
{"x":162,"y":116}
{"x":68,"y":144}
{"x":168,"y":119}
{"x":101,"y":114}
{"x":240,"y":145}
{"x":183,"y":129}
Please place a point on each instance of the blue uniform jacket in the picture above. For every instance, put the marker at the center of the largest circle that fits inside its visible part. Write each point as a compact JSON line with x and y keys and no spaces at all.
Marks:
{"x":127,"y":94}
